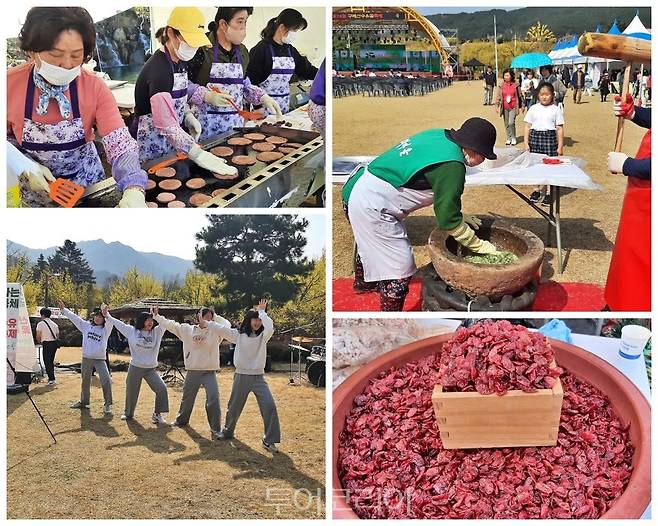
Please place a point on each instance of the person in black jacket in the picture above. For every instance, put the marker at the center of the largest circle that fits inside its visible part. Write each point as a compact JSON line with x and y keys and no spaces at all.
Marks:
{"x":274,"y":60}
{"x":489,"y":85}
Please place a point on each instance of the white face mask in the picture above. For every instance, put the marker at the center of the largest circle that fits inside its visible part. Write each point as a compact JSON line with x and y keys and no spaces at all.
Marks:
{"x":236,"y":36}
{"x":290,"y":37}
{"x":55,"y":75}
{"x":186,"y":52}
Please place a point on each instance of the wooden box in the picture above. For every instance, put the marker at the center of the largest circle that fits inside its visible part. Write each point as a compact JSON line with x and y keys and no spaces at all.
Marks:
{"x":515,"y":419}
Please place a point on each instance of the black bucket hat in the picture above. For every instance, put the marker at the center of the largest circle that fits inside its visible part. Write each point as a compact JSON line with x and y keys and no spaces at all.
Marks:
{"x":476,"y":134}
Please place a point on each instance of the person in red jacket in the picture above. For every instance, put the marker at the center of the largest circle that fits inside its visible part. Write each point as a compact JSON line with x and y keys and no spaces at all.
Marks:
{"x":628,"y":287}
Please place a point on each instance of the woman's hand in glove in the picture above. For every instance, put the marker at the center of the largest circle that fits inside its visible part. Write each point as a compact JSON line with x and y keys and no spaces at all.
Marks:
{"x":465,"y":236}
{"x":193,"y":125}
{"x":616,"y":162}
{"x":217,"y":99}
{"x":39,"y":178}
{"x":625,"y":109}
{"x":133,"y":197}
{"x":210,"y":162}
{"x":272,"y":106}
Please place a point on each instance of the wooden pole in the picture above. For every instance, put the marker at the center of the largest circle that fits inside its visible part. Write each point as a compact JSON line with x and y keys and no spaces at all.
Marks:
{"x":620,"y":121}
{"x":617,"y":47}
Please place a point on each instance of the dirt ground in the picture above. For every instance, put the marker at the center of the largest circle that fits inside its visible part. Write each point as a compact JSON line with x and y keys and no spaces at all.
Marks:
{"x":368,"y":126}
{"x":105,"y":468}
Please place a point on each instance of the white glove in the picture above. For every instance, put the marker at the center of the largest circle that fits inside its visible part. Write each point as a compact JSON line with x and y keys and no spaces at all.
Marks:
{"x":465,"y":236}
{"x":38,"y":178}
{"x":217,"y":99}
{"x":193,"y":125}
{"x":271,"y":105}
{"x":474,"y":222}
{"x":485,"y":248}
{"x":210,"y":162}
{"x":132,"y":198}
{"x":616,"y":162}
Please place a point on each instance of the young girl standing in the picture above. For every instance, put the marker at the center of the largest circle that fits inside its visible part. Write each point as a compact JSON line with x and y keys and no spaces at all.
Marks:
{"x":144,"y":343}
{"x":94,"y":343}
{"x":544,"y":133}
{"x":249,"y":359}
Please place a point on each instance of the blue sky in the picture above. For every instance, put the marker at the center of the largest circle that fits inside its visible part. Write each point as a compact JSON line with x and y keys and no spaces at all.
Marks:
{"x":152,"y":231}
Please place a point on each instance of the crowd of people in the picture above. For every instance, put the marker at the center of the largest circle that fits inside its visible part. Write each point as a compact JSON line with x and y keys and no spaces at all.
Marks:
{"x":200,"y":339}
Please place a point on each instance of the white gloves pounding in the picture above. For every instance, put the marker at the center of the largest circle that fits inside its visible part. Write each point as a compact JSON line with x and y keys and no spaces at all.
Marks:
{"x":474,"y":222}
{"x":616,"y":162}
{"x":210,"y":162}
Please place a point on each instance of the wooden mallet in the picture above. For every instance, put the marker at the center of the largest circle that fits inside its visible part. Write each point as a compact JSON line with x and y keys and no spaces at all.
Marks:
{"x":616,"y":47}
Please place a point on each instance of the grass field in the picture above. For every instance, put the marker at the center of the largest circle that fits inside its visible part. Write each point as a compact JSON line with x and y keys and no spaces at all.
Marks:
{"x":368,"y":126}
{"x":105,"y":468}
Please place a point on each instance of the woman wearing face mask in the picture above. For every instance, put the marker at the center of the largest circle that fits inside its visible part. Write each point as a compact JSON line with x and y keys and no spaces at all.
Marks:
{"x":274,"y":60}
{"x":223,"y":66}
{"x":201,"y":356}
{"x":53,"y":107}
{"x":249,"y":358}
{"x":163,"y":95}
{"x":144,"y":343}
{"x":95,"y":334}
{"x":425,"y":169}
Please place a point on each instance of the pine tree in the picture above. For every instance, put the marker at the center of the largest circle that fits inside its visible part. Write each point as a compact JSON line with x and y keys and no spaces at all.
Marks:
{"x":69,"y":261}
{"x":253,"y":256}
{"x":39,"y":269}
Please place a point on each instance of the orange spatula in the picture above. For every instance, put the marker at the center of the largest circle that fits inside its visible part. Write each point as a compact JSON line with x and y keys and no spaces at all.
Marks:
{"x":167,"y":162}
{"x":246,"y":115}
{"x":65,"y":193}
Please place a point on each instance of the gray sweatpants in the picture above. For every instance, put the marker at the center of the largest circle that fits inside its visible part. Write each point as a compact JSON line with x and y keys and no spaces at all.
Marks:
{"x":194,"y":380}
{"x":243,"y":384}
{"x":87,"y":368}
{"x":509,"y":116}
{"x":134,"y":383}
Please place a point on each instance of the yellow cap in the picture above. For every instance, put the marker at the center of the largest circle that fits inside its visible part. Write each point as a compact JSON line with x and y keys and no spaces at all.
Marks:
{"x":190,"y":23}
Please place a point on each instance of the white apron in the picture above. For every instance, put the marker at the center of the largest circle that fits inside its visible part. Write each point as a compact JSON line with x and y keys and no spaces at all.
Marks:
{"x":277,"y":84}
{"x":152,"y":144}
{"x":229,"y":78}
{"x":377,"y":211}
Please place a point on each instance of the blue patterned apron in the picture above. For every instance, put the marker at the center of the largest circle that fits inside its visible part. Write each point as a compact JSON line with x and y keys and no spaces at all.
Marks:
{"x":229,"y":78}
{"x":61,"y":147}
{"x":152,"y":144}
{"x":277,"y":85}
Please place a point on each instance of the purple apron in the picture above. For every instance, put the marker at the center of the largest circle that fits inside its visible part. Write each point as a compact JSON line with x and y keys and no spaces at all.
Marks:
{"x":277,"y":85}
{"x":61,"y":147}
{"x":228,"y":78}
{"x":152,"y":144}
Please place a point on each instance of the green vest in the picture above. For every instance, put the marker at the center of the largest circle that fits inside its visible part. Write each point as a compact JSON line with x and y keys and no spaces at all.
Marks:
{"x":399,"y":164}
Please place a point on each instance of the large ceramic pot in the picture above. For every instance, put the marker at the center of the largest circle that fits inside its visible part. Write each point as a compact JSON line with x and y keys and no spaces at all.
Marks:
{"x":493,"y":281}
{"x":626,"y":399}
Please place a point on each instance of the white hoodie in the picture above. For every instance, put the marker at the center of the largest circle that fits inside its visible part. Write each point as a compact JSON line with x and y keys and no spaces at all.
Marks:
{"x":94,"y":337}
{"x":144,"y":345}
{"x":200,"y":346}
{"x":250,"y":351}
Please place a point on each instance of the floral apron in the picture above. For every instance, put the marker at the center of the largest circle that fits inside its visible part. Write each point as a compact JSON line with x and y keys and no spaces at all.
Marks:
{"x":277,"y":85}
{"x":228,"y":78}
{"x":152,"y":144}
{"x":61,"y":147}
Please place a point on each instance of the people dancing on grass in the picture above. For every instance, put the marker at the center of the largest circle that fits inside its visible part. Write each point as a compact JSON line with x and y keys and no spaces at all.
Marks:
{"x":94,"y":343}
{"x":201,"y":343}
{"x":250,"y":355}
{"x":144,"y":343}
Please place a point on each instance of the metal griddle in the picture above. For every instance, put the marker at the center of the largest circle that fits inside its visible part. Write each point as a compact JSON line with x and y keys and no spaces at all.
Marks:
{"x":283,"y":182}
